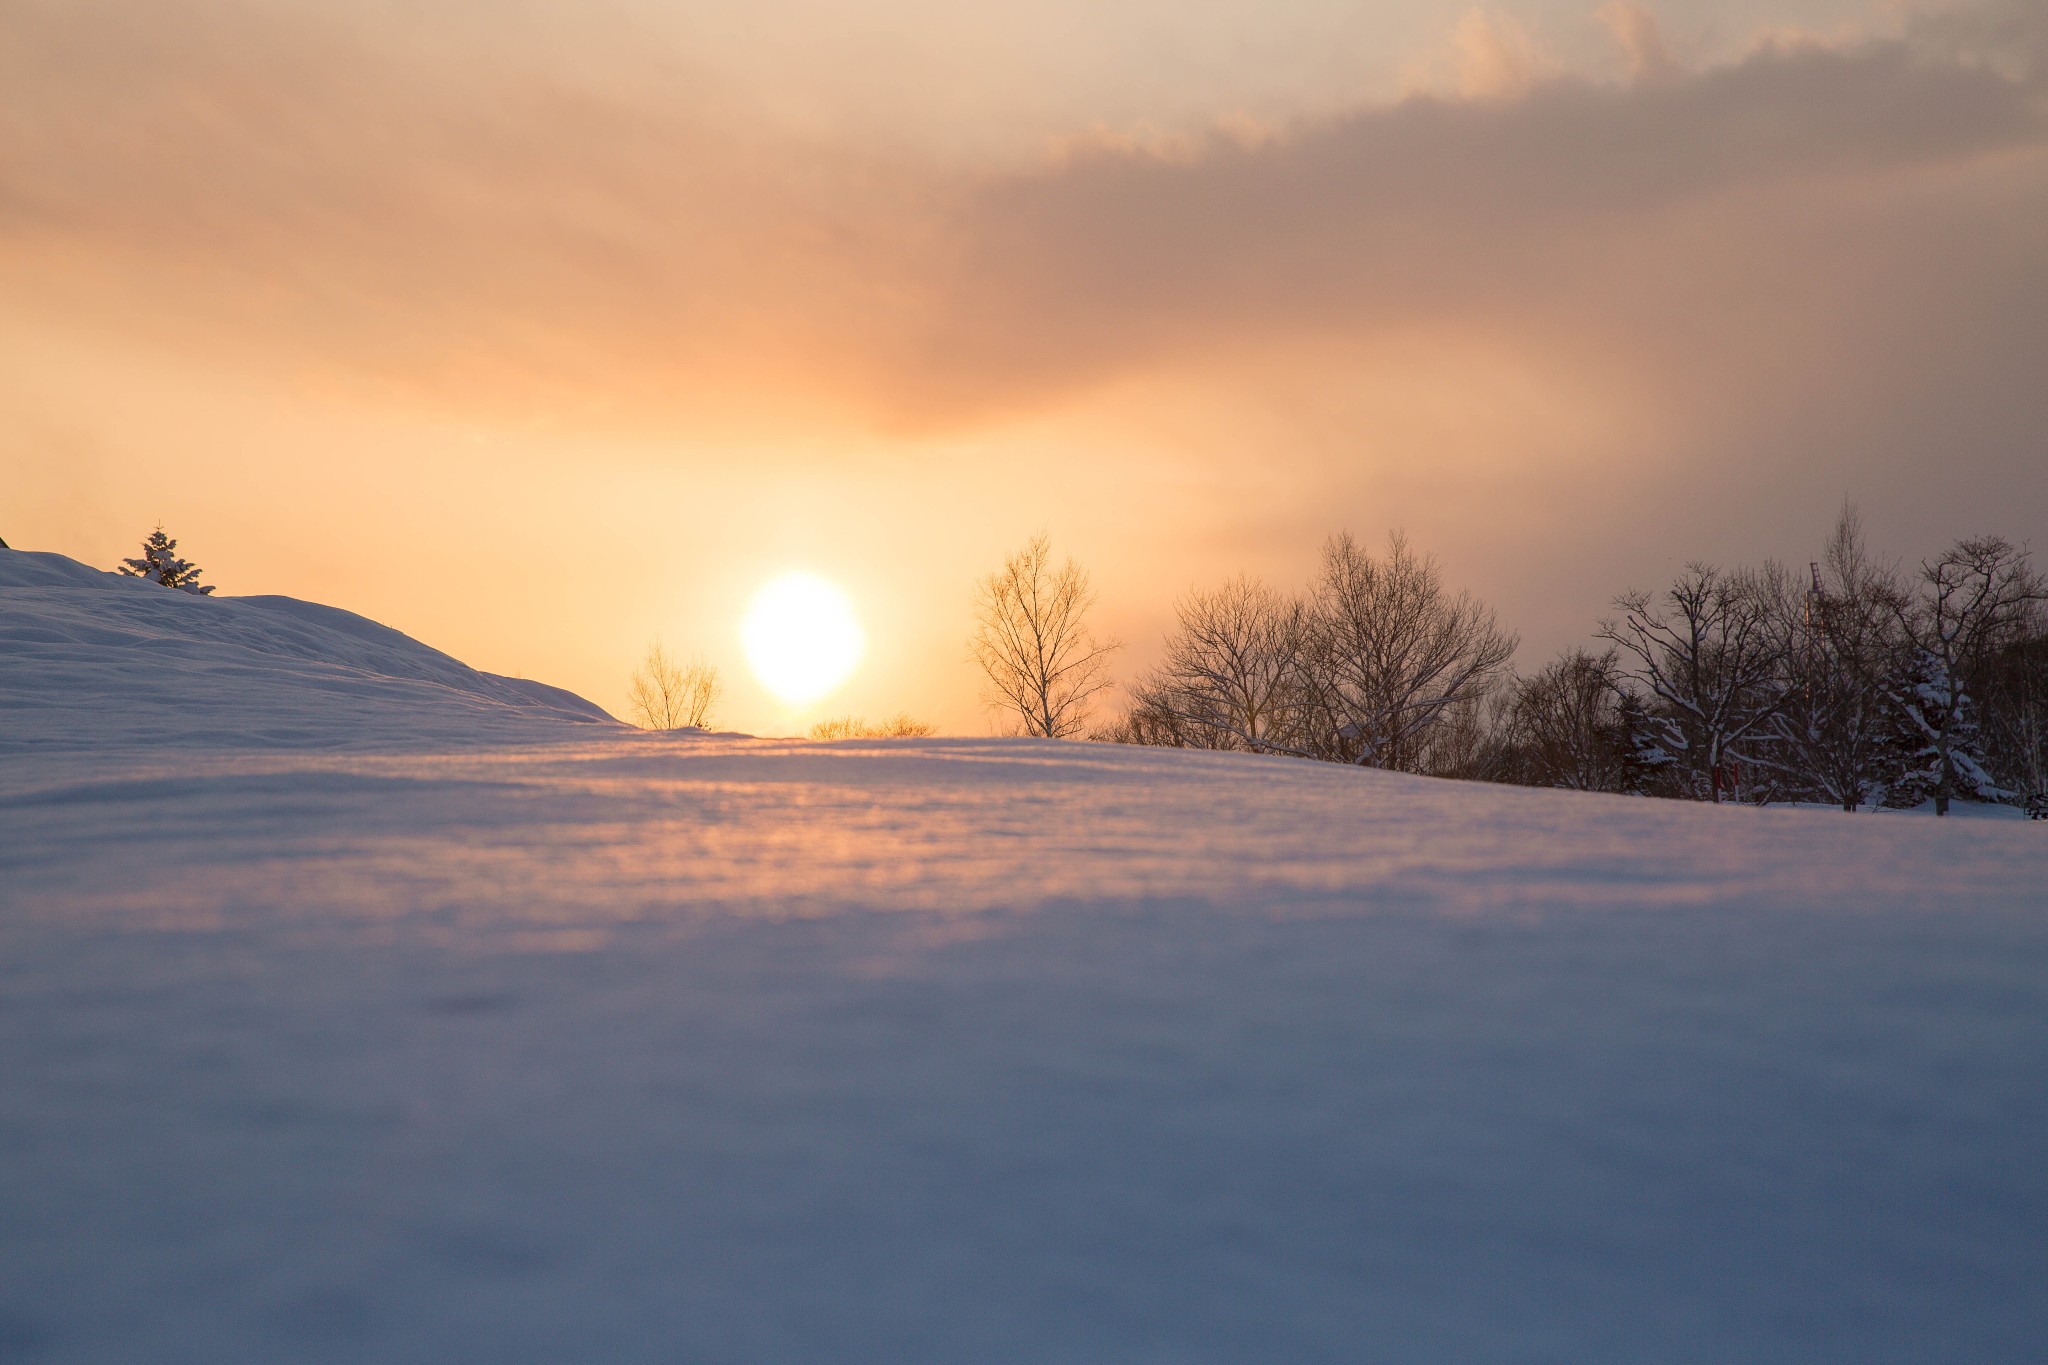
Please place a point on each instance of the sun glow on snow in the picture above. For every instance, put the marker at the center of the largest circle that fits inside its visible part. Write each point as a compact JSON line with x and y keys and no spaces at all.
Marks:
{"x":801,"y":637}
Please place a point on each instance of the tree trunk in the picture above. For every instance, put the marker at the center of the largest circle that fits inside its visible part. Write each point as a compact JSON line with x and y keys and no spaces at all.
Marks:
{"x":1941,"y":782}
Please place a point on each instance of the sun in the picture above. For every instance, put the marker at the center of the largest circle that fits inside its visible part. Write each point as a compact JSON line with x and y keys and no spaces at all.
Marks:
{"x":801,"y":637}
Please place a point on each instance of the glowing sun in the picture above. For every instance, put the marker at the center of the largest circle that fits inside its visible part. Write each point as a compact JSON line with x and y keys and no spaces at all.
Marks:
{"x":801,"y":637}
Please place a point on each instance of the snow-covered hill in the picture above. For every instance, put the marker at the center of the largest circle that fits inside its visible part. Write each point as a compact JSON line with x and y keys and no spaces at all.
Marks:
{"x":598,"y":1045}
{"x":92,"y":658}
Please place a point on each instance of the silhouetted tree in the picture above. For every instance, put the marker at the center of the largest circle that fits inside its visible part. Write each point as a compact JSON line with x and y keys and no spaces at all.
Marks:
{"x":1836,"y":729}
{"x":1464,"y":742}
{"x":1709,"y":655}
{"x":667,"y":695}
{"x":1231,"y":678}
{"x":1846,"y":685}
{"x":1564,"y":726}
{"x":1143,"y":721}
{"x":1032,"y":642}
{"x":1389,"y":654}
{"x":2014,"y":688}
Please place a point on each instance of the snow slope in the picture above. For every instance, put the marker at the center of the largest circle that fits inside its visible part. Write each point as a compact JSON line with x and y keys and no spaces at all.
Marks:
{"x":91,"y":657}
{"x":574,"y":1043}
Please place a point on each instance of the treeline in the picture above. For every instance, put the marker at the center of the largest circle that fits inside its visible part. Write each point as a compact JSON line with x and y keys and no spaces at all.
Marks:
{"x":1855,"y":684}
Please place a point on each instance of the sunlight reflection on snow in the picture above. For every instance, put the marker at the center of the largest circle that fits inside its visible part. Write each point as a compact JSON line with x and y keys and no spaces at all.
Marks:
{"x":554,"y":848}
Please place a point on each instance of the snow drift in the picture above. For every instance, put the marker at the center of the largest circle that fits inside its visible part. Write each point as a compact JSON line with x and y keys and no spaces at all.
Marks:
{"x":578,"y":1043}
{"x":101,"y":659}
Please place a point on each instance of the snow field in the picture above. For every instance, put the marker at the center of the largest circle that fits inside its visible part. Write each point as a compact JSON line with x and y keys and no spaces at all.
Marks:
{"x":439,"y":1025}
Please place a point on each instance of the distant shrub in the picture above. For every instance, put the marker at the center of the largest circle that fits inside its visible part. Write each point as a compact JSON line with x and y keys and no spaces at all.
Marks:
{"x":667,"y":695}
{"x":898,"y":726}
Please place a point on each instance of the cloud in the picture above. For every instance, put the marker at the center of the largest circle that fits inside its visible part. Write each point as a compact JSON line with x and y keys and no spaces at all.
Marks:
{"x":1585,"y":327}
{"x":432,"y":211}
{"x":1575,"y":214}
{"x":1641,"y":38}
{"x":1487,"y":56}
{"x":2010,"y":36}
{"x":1842,"y":240}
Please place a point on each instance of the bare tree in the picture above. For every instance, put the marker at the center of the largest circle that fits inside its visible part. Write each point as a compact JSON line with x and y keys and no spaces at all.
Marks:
{"x":1835,"y":729}
{"x":667,"y":695}
{"x":1391,"y":653}
{"x":1709,"y":653}
{"x":1973,"y":601}
{"x":1231,"y":678}
{"x":1565,"y":726}
{"x":2014,"y":692}
{"x":1032,"y":640}
{"x":1148,"y":721}
{"x":1464,"y":743}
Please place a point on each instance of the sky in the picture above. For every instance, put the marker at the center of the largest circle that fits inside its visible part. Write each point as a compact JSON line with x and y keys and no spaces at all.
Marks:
{"x":539,"y":330}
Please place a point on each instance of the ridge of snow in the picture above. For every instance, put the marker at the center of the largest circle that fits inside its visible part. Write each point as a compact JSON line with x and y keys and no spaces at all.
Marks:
{"x":93,"y":659}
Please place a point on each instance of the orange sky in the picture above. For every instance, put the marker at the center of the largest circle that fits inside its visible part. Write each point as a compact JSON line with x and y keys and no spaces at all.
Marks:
{"x":537,"y":330}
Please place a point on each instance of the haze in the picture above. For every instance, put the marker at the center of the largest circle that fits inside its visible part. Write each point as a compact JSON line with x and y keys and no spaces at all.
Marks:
{"x":539,"y":330}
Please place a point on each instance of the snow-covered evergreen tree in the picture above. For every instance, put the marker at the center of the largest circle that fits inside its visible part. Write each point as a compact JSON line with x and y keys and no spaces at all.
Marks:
{"x":1973,"y":600}
{"x":1939,"y":747}
{"x":159,"y":563}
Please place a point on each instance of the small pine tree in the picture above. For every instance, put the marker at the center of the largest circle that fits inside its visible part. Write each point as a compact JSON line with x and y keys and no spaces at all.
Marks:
{"x":160,"y":563}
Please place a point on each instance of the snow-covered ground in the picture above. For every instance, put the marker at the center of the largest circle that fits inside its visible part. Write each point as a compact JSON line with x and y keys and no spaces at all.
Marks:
{"x":92,"y":660}
{"x":365,"y":1008}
